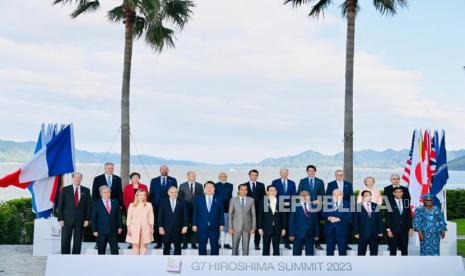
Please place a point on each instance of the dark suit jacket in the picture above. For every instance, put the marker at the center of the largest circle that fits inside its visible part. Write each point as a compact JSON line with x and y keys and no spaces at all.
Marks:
{"x":388,"y":192}
{"x":290,"y":191}
{"x":116,"y":187}
{"x":365,"y":226}
{"x":105,"y":223}
{"x":299,"y":225}
{"x":318,"y":187}
{"x":258,"y":194}
{"x":347,"y":192}
{"x":205,"y":220}
{"x":67,"y":210}
{"x":157,"y":193}
{"x":224,"y":191}
{"x":397,"y":222}
{"x":172,"y":222}
{"x":267,"y":221}
{"x":343,"y":213}
{"x":186,"y":194}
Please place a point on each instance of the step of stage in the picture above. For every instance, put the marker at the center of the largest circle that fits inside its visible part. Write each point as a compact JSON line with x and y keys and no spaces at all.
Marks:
{"x":88,"y":249}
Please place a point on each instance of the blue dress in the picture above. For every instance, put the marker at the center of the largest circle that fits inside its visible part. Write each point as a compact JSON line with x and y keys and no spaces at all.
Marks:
{"x":431,"y":223}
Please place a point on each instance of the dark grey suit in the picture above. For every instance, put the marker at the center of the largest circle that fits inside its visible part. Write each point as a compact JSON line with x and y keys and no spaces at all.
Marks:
{"x":185,"y":194}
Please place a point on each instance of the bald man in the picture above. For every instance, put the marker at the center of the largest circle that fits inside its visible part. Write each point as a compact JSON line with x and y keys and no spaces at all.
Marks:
{"x":159,"y":187}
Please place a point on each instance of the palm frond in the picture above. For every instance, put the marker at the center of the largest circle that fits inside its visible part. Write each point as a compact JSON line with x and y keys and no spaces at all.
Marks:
{"x":159,"y":37}
{"x":177,"y":12}
{"x":139,"y":26}
{"x":66,"y":2}
{"x":386,"y":7}
{"x":116,"y":14}
{"x":345,"y":7}
{"x":297,"y":3}
{"x":85,"y":6}
{"x":319,"y":8}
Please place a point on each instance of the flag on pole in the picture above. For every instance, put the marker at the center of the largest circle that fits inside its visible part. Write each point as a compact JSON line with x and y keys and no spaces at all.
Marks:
{"x":441,"y":174}
{"x":407,"y":168}
{"x":54,"y":158}
{"x":44,"y":191}
{"x":418,"y":183}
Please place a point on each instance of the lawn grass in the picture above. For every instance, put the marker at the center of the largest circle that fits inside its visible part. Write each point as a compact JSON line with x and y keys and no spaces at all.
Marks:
{"x":461,"y":248}
{"x":460,"y":226}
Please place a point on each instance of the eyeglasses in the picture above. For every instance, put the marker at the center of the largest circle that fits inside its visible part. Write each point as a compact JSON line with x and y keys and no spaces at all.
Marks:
{"x":427,"y":200}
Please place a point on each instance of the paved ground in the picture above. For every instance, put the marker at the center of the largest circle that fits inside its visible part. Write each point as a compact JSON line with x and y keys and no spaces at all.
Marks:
{"x":17,"y":260}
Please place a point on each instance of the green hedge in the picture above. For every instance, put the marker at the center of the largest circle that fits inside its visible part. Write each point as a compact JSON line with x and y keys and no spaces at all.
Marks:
{"x":14,"y":216}
{"x":17,"y":218}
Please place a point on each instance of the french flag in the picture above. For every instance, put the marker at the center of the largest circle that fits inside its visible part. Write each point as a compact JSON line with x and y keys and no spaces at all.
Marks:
{"x":54,"y":158}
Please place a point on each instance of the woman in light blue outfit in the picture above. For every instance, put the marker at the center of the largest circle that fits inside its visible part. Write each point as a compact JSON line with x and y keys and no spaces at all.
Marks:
{"x":431,"y":227}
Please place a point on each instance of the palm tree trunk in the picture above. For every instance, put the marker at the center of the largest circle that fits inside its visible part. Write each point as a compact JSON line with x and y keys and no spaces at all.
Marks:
{"x":125,"y":136}
{"x":349,"y":94}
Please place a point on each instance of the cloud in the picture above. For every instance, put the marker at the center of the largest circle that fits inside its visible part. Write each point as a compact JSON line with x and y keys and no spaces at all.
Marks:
{"x":247,"y":80}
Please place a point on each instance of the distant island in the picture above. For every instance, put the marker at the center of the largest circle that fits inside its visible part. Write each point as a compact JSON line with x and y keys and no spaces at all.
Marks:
{"x":20,"y":152}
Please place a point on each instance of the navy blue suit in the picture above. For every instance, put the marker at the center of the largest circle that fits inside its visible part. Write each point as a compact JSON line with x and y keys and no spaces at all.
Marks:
{"x":172,"y":223}
{"x":348,"y":190}
{"x":304,"y":228}
{"x":368,"y":228}
{"x":289,"y":192}
{"x":224,"y":191}
{"x":318,"y":188}
{"x":208,"y":223}
{"x":336,"y":233}
{"x":106,"y":225}
{"x":156,"y":195}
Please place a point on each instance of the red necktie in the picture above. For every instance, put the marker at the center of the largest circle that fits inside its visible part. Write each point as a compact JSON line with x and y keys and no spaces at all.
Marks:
{"x":107,"y":205}
{"x":306,"y":210}
{"x":76,"y":197}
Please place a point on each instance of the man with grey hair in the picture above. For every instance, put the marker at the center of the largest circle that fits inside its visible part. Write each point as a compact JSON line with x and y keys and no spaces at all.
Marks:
{"x":106,"y":221}
{"x":188,"y":191}
{"x":110,"y":180}
{"x":286,"y":188}
{"x":224,"y":190}
{"x":389,"y":190}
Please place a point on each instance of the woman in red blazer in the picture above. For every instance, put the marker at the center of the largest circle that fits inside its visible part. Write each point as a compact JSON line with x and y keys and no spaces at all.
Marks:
{"x":130,"y":190}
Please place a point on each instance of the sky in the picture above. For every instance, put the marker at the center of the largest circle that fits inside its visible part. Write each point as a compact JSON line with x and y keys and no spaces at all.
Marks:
{"x":247,"y":80}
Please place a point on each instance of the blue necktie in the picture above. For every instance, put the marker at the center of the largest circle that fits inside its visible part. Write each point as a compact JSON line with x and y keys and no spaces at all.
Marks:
{"x":285,"y":186}
{"x":109,"y":181}
{"x":311,"y":184}
{"x":209,"y":206}
{"x":163,"y":182}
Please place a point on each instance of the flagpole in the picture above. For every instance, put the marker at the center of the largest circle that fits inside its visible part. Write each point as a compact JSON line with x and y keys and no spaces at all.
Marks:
{"x":444,"y":194}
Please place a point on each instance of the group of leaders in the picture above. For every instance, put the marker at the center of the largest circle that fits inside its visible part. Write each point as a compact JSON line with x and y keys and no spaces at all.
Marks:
{"x":194,"y":213}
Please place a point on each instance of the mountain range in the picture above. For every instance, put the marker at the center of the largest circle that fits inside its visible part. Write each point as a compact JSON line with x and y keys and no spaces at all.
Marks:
{"x":20,"y":152}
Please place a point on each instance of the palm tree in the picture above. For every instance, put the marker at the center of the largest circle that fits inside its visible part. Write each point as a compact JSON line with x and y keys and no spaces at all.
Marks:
{"x":141,"y":18}
{"x":349,"y":8}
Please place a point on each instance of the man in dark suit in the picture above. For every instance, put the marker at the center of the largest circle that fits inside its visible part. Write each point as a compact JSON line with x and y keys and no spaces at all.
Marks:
{"x":395,"y":183}
{"x":159,"y":190}
{"x":304,"y":226}
{"x":110,"y":180}
{"x":337,"y":215}
{"x":208,"y":219}
{"x":188,"y":191}
{"x":271,"y":221}
{"x":255,"y":190}
{"x":106,"y":221}
{"x":172,"y":221}
{"x":347,"y":191}
{"x":368,"y":225}
{"x":398,"y":224}
{"x":224,"y":190}
{"x":316,"y":189}
{"x":286,"y":188}
{"x":73,"y":214}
